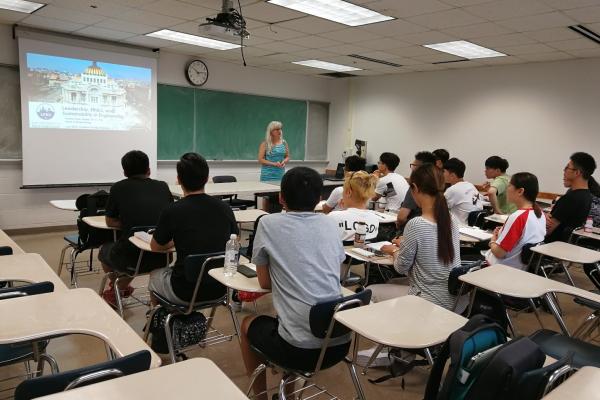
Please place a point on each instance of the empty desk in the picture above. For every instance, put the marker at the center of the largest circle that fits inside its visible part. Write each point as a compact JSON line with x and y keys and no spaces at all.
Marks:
{"x":581,"y":386}
{"x":5,"y":240}
{"x":30,"y":268}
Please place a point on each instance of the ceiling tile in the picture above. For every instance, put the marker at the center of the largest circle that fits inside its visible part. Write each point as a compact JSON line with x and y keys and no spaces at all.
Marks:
{"x":555,"y":56}
{"x":380,"y":55}
{"x":585,"y":52}
{"x":429,"y":37}
{"x":311,"y":54}
{"x":345,"y":49}
{"x":252,"y":24}
{"x":397,"y":27}
{"x":439,"y":57}
{"x":464,"y":64}
{"x":179,"y":9}
{"x":500,"y":60}
{"x":383,"y":44}
{"x":281,"y":47}
{"x":477,"y":30}
{"x":256,"y":51}
{"x":350,"y":35}
{"x":446,"y":19}
{"x":401,"y":9}
{"x":109,"y":34}
{"x":50,"y":23}
{"x":275,"y":32}
{"x":412,"y":51}
{"x":512,"y":39}
{"x":505,"y":9}
{"x":553,"y":34}
{"x":151,"y":42}
{"x":150,"y":18}
{"x":569,"y":4}
{"x":192,"y":50}
{"x":465,"y":3}
{"x":427,"y":67}
{"x":585,"y":15}
{"x":267,"y":12}
{"x":312,"y":25}
{"x":66,"y":14}
{"x":534,"y":48}
{"x":537,"y":22}
{"x":10,"y":17}
{"x":574,"y":44}
{"x":313,"y":42}
{"x":102,"y":8}
{"x":128,"y":3}
{"x":125,"y":26}
{"x":259,"y":61}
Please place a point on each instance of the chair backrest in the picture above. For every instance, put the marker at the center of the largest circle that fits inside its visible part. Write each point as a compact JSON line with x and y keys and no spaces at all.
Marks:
{"x":224,"y":179}
{"x":196,"y":267}
{"x":250,"y":248}
{"x":6,"y":251}
{"x":26,"y":290}
{"x":477,"y":218}
{"x":49,"y":384}
{"x":90,"y":205}
{"x":339,"y":171}
{"x":527,"y":254}
{"x":321,"y":315}
{"x":534,"y":384}
{"x":454,"y":283}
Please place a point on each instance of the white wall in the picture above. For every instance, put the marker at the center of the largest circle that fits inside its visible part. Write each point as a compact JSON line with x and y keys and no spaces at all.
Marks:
{"x":26,"y":208}
{"x":534,"y":115}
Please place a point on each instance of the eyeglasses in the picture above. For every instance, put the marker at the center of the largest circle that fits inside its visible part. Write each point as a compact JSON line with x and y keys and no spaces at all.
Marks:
{"x":414,"y":165}
{"x":572,"y":169}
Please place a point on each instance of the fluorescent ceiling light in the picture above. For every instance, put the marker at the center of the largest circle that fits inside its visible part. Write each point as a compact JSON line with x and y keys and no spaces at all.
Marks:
{"x":334,"y":10}
{"x":20,"y":5}
{"x":465,"y":49}
{"x":193,"y":40}
{"x":326,"y":65}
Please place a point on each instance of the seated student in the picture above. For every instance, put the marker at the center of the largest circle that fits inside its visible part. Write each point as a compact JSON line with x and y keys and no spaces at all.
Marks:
{"x":495,"y":169}
{"x":409,"y":208}
{"x":196,"y":224}
{"x":351,"y":164}
{"x":297,"y":255}
{"x":573,"y":208}
{"x":462,"y":197}
{"x":430,"y":247}
{"x":527,"y":225}
{"x":391,"y":185}
{"x":441,"y":156}
{"x":358,"y":189}
{"x":135,"y":201}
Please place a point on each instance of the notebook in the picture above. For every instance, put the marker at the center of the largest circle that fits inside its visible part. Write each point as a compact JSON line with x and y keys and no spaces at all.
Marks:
{"x":144,"y":236}
{"x":476,"y":233}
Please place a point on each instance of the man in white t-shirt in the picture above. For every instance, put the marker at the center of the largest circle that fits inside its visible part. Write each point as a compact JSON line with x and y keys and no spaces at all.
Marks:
{"x":347,"y":221}
{"x":462,"y":197}
{"x":391,"y":186}
{"x":351,"y":164}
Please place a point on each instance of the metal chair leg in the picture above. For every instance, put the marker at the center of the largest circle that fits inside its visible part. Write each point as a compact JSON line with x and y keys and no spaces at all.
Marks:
{"x":568,"y":274}
{"x":255,"y":374}
{"x":169,"y":338}
{"x":350,"y":363}
{"x":372,"y":358}
{"x":149,"y":321}
{"x":285,"y":380}
{"x":236,"y":323}
{"x":103,"y":283}
{"x":62,"y":259}
{"x":118,"y":298}
{"x":535,"y":311}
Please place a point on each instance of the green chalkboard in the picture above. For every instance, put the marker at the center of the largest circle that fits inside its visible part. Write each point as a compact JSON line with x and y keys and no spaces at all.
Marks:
{"x":223,"y":125}
{"x":175,"y":121}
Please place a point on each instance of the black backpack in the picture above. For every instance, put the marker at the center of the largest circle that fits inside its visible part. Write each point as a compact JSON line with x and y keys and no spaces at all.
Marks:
{"x":90,"y":205}
{"x":479,"y":334}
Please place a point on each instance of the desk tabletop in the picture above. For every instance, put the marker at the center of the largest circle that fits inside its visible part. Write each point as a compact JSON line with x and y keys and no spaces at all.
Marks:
{"x":249,"y":215}
{"x":30,"y":268}
{"x":145,"y":246}
{"x":241,"y":188}
{"x":568,"y":252}
{"x":97,"y":221}
{"x":68,"y":205}
{"x":513,"y":282}
{"x":193,"y":378}
{"x":5,"y":240}
{"x":594,"y":234}
{"x":582,"y":385}
{"x":409,"y":322}
{"x":498,"y":218}
{"x":238,"y":281}
{"x":76,"y":311}
{"x":382,"y":260}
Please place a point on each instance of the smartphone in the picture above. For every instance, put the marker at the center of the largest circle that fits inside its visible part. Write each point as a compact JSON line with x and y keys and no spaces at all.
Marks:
{"x":246,"y":271}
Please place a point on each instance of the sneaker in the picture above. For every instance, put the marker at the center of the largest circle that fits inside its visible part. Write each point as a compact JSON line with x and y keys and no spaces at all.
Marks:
{"x":109,"y":296}
{"x":236,"y":305}
{"x":382,"y":360}
{"x":127,"y":292}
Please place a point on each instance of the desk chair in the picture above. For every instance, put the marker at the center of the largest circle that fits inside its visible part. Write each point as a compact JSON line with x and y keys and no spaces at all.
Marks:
{"x":60,"y":382}
{"x":324,"y":326}
{"x":535,"y":384}
{"x":86,"y":238}
{"x":557,"y":345}
{"x":26,"y":352}
{"x":477,"y":218}
{"x":232,"y":199}
{"x":204,"y":282}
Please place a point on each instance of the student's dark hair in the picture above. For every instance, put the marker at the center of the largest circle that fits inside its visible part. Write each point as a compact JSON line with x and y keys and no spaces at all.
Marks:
{"x":529,"y":183}
{"x":455,"y":166}
{"x":301,"y":189}
{"x":430,"y":180}
{"x":441,"y":154}
{"x":594,"y":186}
{"x":192,"y":171}
{"x":355,"y":163}
{"x":585,"y":163}
{"x":497,"y":162}
{"x":135,"y":162}
{"x":426,"y":157}
{"x":390,"y":160}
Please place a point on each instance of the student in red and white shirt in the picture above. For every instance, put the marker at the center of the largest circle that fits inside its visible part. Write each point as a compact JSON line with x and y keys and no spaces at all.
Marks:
{"x":526,"y":225}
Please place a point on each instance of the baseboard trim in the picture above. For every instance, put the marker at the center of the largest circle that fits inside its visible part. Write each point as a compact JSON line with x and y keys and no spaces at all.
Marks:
{"x":41,"y":229}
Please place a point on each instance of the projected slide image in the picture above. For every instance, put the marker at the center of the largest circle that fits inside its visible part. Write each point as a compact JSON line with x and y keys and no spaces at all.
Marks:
{"x":70,"y":93}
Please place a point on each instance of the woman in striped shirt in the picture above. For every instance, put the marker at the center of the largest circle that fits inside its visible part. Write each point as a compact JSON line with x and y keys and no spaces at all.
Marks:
{"x":430,"y":247}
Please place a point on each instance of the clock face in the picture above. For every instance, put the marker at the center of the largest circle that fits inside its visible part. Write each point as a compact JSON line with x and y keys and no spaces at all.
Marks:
{"x":197,"y":73}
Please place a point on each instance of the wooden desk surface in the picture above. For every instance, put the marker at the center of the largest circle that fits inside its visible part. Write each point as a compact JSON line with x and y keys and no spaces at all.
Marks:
{"x":595,"y":234}
{"x":240,"y":188}
{"x":249,"y":215}
{"x":513,"y":282}
{"x":5,"y":240}
{"x":498,"y":218}
{"x":194,"y":378}
{"x":68,"y":205}
{"x":97,"y":221}
{"x":408,"y":322}
{"x":76,"y":311}
{"x":30,"y":268}
{"x":145,"y":246}
{"x":583,"y":385}
{"x":382,"y":260}
{"x":568,"y":252}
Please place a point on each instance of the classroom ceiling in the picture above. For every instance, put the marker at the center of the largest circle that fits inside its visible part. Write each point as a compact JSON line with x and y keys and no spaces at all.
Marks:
{"x":526,"y":30}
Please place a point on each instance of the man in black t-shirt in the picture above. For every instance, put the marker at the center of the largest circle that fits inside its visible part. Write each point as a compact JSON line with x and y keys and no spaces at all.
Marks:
{"x":572,"y":209}
{"x":196,"y":224}
{"x":135,"y":201}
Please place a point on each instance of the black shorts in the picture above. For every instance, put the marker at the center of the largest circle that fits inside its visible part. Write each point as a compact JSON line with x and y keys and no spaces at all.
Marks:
{"x":264,"y":338}
{"x":123,"y":257}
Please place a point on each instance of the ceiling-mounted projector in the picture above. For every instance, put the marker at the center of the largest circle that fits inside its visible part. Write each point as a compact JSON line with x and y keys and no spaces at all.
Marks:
{"x":228,"y":24}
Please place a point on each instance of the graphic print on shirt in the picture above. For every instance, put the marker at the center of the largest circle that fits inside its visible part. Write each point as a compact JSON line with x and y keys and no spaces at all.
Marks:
{"x":351,"y":226}
{"x":389,"y":190}
{"x":475,"y":199}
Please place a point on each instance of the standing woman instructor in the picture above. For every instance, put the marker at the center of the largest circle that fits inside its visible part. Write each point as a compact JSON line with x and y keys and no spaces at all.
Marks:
{"x":273,"y":155}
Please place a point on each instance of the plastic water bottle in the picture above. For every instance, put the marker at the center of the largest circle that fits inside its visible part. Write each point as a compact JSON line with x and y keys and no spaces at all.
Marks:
{"x":232,"y":255}
{"x":589,"y":225}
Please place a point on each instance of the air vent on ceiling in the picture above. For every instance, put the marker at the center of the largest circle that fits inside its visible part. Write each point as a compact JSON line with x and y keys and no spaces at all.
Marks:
{"x":375,"y":60}
{"x":338,"y":74}
{"x":588,"y":33}
{"x":450,"y":62}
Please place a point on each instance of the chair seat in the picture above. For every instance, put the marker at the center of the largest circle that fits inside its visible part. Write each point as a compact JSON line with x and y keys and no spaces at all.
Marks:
{"x":240,"y":202}
{"x":13,"y":353}
{"x":588,"y":303}
{"x":183,"y":308}
{"x":328,"y":362}
{"x":557,"y":346}
{"x":72,"y":239}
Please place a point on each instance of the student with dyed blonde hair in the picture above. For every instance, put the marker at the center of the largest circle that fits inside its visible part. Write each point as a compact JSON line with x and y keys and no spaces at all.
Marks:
{"x":273,"y":153}
{"x":359,"y":187}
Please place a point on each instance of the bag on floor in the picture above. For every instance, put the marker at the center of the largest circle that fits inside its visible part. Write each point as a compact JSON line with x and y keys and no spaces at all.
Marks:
{"x":187,"y":330}
{"x":401,"y":363}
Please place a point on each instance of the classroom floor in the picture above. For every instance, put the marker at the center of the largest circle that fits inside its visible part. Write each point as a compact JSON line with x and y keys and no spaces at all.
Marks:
{"x":77,"y":351}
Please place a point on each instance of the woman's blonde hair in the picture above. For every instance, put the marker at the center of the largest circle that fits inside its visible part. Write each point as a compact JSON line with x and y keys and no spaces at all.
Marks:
{"x":362,"y":185}
{"x":272,"y":126}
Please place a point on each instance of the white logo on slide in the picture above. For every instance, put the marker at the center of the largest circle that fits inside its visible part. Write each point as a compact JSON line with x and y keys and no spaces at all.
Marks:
{"x":45,"y":111}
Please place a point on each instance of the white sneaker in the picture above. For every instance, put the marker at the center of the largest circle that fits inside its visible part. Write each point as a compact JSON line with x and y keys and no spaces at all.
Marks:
{"x":236,"y":305}
{"x":382,"y":360}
